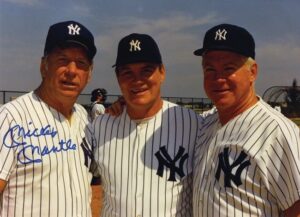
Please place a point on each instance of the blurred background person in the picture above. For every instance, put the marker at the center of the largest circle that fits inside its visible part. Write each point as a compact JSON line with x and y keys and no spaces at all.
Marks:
{"x":98,"y":98}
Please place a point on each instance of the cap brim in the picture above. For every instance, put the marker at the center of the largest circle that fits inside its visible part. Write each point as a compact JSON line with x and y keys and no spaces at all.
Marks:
{"x":88,"y":51}
{"x":76,"y":42}
{"x":199,"y":52}
{"x":135,"y":61}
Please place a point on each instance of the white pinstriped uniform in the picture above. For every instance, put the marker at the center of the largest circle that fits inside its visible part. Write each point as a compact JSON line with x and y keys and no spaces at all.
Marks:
{"x":97,"y":109}
{"x":248,"y":167}
{"x":45,"y":164}
{"x":127,"y":156}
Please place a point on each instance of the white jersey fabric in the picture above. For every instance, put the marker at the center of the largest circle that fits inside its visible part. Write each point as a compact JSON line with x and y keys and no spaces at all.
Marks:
{"x":146,"y":167}
{"x":248,"y":167}
{"x":97,"y":109}
{"x":44,"y":160}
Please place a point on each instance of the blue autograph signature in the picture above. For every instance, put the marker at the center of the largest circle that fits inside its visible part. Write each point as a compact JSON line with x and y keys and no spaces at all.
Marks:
{"x":15,"y":137}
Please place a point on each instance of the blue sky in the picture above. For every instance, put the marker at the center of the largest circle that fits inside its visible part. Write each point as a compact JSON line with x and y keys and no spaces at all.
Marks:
{"x":178,"y":26}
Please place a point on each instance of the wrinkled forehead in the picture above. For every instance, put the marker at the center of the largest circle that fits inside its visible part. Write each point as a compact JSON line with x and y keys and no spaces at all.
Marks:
{"x":137,"y":66}
{"x":217,"y":56}
{"x":70,"y":48}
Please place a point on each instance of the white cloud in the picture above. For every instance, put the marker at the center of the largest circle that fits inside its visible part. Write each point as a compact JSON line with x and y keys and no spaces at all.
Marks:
{"x":287,"y":53}
{"x":176,"y":41}
{"x":24,"y":2}
{"x":169,"y":31}
{"x":81,"y":10}
{"x":278,"y":63}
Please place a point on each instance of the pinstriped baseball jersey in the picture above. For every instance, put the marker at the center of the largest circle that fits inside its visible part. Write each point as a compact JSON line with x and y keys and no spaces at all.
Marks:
{"x":249,"y":166}
{"x":146,"y":168}
{"x":44,"y":160}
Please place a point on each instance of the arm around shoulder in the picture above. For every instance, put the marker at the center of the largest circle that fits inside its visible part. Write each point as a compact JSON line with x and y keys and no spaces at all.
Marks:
{"x":2,"y":185}
{"x":293,"y":211}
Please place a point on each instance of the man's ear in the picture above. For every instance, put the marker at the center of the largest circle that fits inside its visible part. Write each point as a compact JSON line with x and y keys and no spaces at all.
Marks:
{"x":163,"y":73}
{"x":90,"y":73}
{"x":254,"y":72}
{"x":43,"y":67}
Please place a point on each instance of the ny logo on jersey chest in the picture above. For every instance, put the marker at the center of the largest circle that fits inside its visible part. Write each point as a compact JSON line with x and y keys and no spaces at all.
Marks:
{"x":227,"y":168}
{"x":164,"y":160}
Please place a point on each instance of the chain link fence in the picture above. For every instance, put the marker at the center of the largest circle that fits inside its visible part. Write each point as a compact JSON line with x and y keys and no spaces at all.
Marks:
{"x":197,"y":104}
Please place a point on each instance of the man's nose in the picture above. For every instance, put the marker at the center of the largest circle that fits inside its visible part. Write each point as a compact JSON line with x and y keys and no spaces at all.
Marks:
{"x":71,"y":67}
{"x":220,"y":74}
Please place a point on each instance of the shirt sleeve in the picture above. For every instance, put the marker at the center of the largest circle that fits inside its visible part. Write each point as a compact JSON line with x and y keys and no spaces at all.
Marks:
{"x":282,"y":158}
{"x":90,"y":140}
{"x":8,"y":145}
{"x":101,"y":109}
{"x":98,"y":109}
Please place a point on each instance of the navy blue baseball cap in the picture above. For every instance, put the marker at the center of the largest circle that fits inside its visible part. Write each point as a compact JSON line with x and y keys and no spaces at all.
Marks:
{"x":228,"y":37}
{"x":135,"y":48}
{"x":70,"y":32}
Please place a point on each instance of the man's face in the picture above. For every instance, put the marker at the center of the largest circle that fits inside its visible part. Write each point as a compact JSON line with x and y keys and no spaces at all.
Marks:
{"x":65,"y":73}
{"x":140,"y":84}
{"x":228,"y":81}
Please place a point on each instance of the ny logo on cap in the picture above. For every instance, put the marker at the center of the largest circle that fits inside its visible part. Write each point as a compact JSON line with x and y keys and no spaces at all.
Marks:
{"x":74,"y":30}
{"x":135,"y":45}
{"x":220,"y":35}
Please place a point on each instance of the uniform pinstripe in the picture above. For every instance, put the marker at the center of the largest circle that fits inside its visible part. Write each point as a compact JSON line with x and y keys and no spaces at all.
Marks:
{"x":248,"y":167}
{"x":44,"y":166}
{"x":127,"y":155}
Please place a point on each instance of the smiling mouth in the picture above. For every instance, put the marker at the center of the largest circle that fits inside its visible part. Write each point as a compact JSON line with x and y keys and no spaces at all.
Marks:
{"x":138,"y":91}
{"x":221,"y":91}
{"x":68,"y":84}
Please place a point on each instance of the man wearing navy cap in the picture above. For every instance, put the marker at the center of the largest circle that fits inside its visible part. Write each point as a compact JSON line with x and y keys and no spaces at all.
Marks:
{"x":247,"y":161}
{"x":45,"y":163}
{"x":145,"y":155}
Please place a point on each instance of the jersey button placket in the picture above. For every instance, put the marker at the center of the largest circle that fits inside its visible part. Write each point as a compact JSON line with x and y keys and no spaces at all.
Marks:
{"x":140,"y":170}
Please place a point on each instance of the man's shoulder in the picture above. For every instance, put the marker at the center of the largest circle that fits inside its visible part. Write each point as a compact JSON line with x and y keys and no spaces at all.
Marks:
{"x":23,"y":99}
{"x":179,"y":110}
{"x":280,"y":119}
{"x":17,"y":108}
{"x":168,"y":104}
{"x":80,"y":108}
{"x":107,"y":118}
{"x":97,"y":106}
